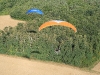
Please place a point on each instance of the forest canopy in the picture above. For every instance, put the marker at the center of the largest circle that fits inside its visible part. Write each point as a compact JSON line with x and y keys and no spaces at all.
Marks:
{"x":80,"y":49}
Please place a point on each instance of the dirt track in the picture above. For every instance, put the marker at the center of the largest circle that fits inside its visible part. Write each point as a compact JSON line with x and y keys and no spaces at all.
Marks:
{"x":97,"y":67}
{"x":6,"y":21}
{"x":20,"y":66}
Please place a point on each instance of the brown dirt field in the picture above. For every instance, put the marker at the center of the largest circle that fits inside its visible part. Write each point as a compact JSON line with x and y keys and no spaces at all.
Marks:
{"x":20,"y":66}
{"x":6,"y":20}
{"x":97,"y":67}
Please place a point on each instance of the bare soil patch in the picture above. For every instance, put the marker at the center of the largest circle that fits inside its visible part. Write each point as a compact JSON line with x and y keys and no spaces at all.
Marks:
{"x":20,"y":66}
{"x":97,"y":67}
{"x":6,"y":21}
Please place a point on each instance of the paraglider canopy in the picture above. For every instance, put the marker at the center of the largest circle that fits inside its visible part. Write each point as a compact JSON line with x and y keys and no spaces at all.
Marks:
{"x":34,"y":10}
{"x":57,"y":22}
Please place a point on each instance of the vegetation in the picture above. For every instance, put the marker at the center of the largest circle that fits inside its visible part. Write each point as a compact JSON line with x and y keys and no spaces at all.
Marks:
{"x":80,"y":49}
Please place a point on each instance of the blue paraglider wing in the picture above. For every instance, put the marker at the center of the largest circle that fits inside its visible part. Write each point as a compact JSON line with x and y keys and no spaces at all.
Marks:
{"x":34,"y":10}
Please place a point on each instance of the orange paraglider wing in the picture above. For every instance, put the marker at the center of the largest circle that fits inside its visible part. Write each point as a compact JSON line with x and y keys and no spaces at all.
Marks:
{"x":57,"y":22}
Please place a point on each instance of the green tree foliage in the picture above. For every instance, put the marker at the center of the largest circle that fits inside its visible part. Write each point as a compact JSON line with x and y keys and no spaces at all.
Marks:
{"x":56,"y":43}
